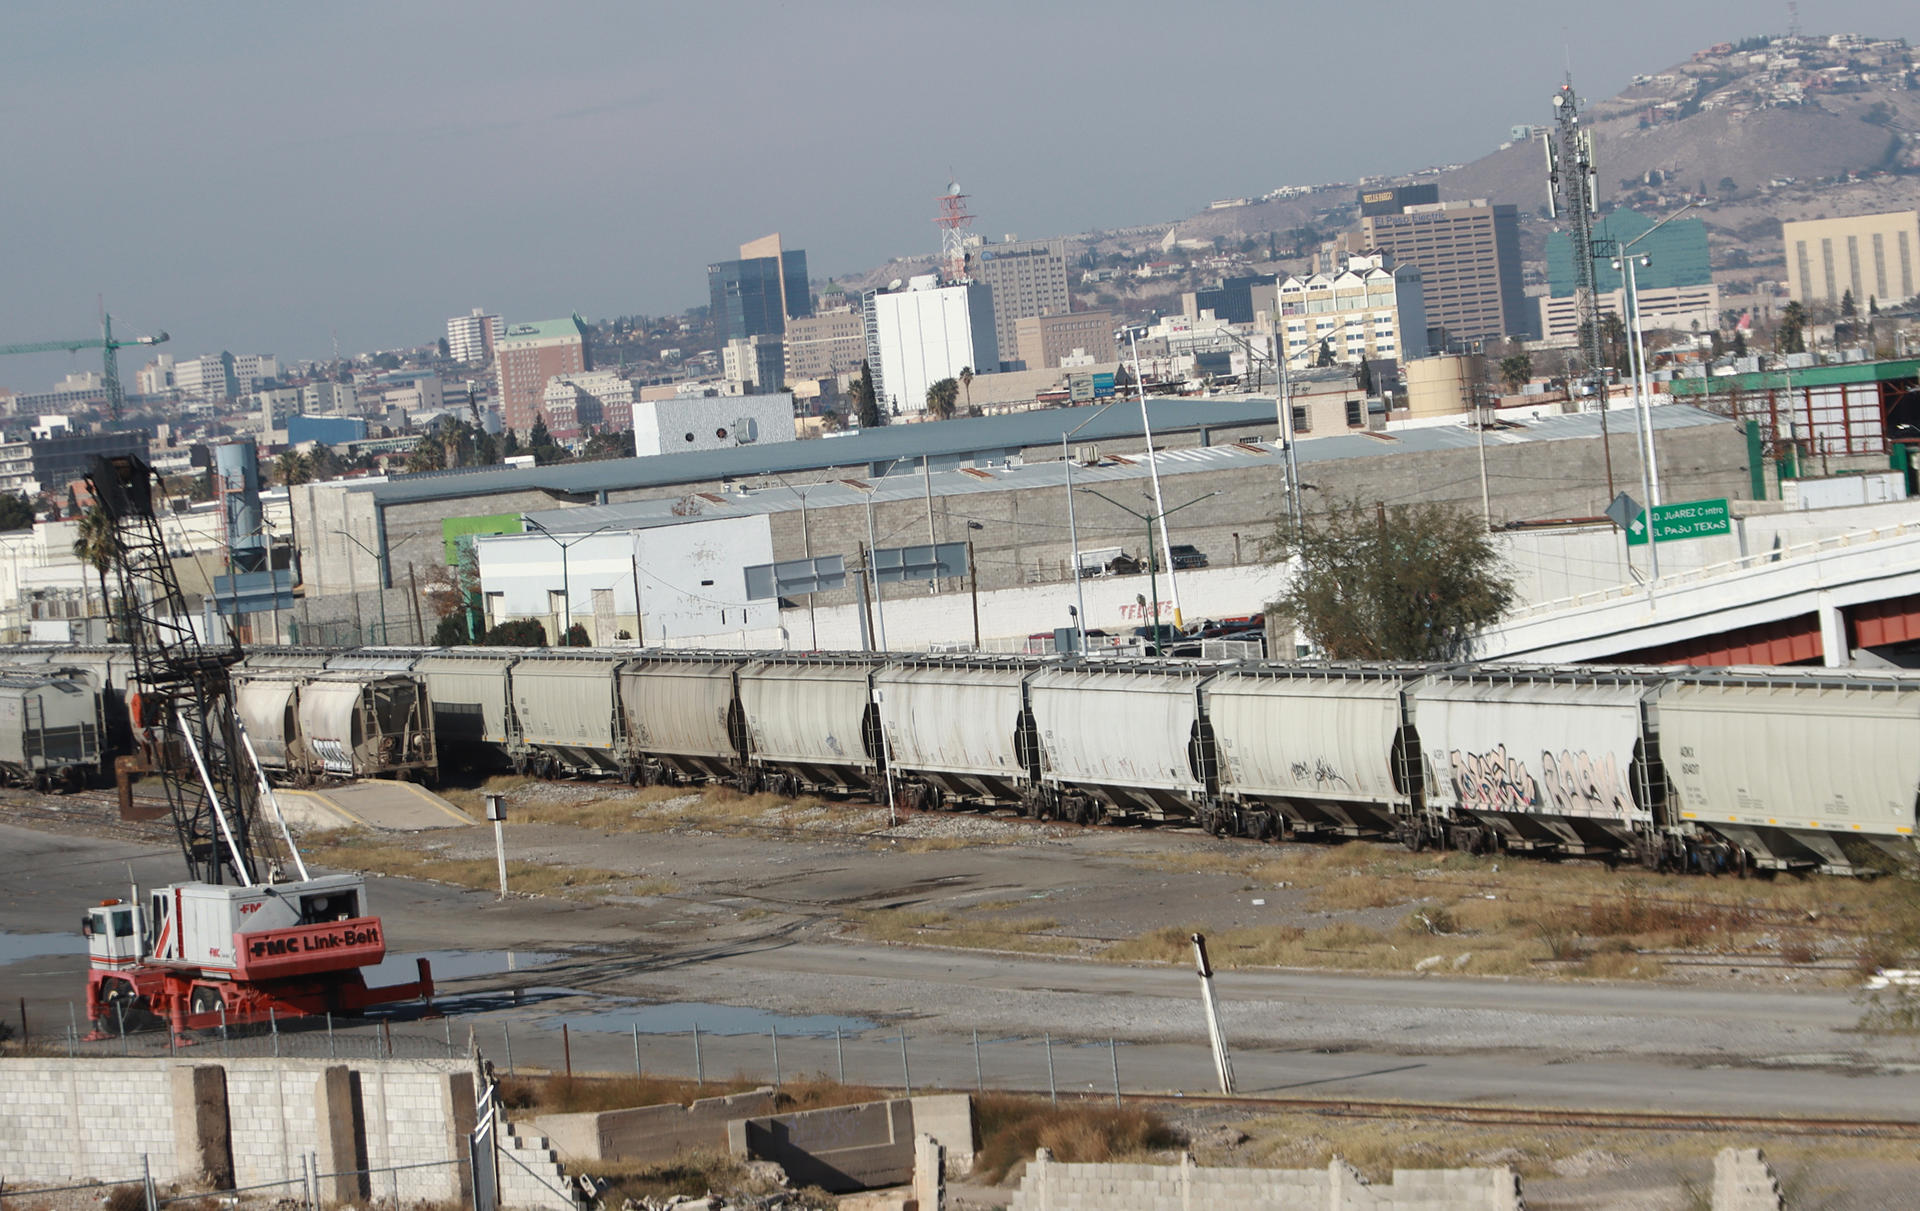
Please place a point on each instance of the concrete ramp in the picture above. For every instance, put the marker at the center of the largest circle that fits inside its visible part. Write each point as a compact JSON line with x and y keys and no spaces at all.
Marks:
{"x":377,"y":804}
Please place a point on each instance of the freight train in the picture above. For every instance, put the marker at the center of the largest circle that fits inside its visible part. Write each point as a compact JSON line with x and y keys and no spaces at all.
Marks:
{"x":1670,"y":767}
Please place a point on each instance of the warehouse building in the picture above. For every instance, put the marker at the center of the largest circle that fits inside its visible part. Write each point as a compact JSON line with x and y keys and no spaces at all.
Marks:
{"x":413,"y":519}
{"x":688,"y":554}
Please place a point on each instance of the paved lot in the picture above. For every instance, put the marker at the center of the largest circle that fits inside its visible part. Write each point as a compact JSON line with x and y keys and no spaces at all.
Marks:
{"x":1734,"y":1050}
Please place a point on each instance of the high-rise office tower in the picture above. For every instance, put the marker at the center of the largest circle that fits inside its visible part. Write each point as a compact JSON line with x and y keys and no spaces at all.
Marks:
{"x":1468,"y":254}
{"x":1029,"y":277}
{"x":757,"y":294}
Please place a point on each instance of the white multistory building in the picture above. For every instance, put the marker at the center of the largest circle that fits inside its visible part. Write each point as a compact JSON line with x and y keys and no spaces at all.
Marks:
{"x":471,"y":338}
{"x":1365,"y":310}
{"x":218,"y":376}
{"x":328,"y":399}
{"x":588,"y":399}
{"x":925,"y":333}
{"x":156,"y":377}
{"x":714,"y":422}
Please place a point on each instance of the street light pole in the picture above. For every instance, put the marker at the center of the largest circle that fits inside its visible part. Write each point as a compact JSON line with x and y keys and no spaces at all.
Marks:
{"x":566,"y":584}
{"x":378,"y":590}
{"x":1153,"y":581}
{"x":1153,"y":473}
{"x":879,"y":602}
{"x":1284,"y":407}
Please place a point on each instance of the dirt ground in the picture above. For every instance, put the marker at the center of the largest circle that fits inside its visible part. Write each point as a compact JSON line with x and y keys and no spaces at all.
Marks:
{"x":1585,"y":965}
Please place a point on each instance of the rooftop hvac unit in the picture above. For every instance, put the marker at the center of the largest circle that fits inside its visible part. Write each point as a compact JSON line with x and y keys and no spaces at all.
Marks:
{"x":1086,"y":456}
{"x":746,"y":430}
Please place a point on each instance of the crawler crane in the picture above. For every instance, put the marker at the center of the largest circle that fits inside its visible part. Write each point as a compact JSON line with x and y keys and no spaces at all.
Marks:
{"x":237,"y":942}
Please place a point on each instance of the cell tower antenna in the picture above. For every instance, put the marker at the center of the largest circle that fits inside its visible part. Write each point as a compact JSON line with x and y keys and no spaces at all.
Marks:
{"x":1793,"y":20}
{"x":1571,"y":190}
{"x":953,"y":220}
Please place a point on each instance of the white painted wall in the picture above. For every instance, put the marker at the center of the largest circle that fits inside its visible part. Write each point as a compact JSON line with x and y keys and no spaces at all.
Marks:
{"x":674,"y":426}
{"x":926,"y":335}
{"x":692,"y":580}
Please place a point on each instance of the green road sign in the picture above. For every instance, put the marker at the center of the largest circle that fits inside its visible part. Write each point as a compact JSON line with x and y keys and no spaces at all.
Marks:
{"x":1688,"y":519}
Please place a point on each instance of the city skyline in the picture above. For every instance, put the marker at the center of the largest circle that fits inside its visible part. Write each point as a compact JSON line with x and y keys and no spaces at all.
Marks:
{"x":273,"y":180}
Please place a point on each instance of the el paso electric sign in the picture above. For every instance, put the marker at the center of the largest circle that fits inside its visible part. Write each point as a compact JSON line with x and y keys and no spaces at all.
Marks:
{"x":1688,"y":519}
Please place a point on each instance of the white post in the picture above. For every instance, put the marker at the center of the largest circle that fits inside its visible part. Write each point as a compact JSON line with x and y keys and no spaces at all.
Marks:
{"x":497,"y":812}
{"x":1222,"y":1062}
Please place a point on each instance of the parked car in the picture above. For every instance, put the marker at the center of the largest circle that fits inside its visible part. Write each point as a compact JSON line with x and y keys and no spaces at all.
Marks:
{"x":1187,"y":556}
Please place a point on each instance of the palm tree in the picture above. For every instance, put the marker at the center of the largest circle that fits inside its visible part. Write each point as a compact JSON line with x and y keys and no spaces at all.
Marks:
{"x":940,"y":397}
{"x":966,"y":384}
{"x":293,"y":467}
{"x":98,"y":544}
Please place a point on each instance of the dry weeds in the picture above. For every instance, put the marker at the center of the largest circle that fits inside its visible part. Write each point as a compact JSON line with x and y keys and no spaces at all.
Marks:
{"x":361,"y":853}
{"x":1376,"y":1147}
{"x":1025,"y":934}
{"x":1012,"y":1127}
{"x":1509,"y":916}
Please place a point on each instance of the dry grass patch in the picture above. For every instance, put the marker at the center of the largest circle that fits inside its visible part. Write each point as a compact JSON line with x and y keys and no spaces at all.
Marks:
{"x":1508,"y":912}
{"x":616,"y":807}
{"x":532,"y":878}
{"x":1377,"y":1147}
{"x":473,"y":799}
{"x":1027,"y":934}
{"x":1012,"y":1127}
{"x":1342,"y":946}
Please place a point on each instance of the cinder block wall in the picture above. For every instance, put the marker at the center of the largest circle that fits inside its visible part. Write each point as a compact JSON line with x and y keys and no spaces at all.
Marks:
{"x":74,"y":1119}
{"x":1050,"y":1186}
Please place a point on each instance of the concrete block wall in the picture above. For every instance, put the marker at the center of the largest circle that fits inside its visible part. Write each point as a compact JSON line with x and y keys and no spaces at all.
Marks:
{"x":531,"y":1177}
{"x":272,"y":1114}
{"x":1051,"y":1186}
{"x":84,"y":1119}
{"x":648,"y":1133}
{"x":67,"y":1119}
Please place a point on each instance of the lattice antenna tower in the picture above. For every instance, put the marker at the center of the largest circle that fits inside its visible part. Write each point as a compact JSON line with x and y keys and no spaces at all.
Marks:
{"x":953,"y":221}
{"x":1571,"y":188}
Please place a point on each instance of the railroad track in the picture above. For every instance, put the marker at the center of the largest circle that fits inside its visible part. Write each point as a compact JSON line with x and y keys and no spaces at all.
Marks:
{"x":1521,"y":1116}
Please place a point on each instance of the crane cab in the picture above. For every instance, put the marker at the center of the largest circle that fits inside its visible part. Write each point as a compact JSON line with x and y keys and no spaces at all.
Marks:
{"x":116,"y":935}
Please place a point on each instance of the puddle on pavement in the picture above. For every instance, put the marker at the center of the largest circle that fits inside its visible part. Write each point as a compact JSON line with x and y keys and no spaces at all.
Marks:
{"x":680,"y":1017}
{"x":19,"y":947}
{"x":456,"y":964}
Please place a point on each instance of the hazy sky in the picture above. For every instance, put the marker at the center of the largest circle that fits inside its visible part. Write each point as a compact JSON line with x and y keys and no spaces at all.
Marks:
{"x":266,"y":177}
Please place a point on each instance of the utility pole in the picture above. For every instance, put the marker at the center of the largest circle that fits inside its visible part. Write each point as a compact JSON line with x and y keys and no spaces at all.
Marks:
{"x":1570,"y":177}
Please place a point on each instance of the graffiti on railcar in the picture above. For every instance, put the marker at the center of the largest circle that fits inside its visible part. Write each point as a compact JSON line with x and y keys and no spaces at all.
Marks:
{"x":1568,"y":783}
{"x":1318,"y":773}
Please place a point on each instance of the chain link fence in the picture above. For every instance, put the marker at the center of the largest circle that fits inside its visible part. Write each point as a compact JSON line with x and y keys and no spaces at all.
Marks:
{"x":421,"y":1183}
{"x":605,"y":1042}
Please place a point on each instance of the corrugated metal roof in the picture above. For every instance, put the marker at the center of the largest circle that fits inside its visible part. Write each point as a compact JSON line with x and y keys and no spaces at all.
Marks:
{"x":942,"y":441}
{"x":765,"y":495}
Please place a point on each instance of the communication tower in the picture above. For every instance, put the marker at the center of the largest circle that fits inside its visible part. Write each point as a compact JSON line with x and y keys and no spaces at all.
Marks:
{"x":1571,"y":188}
{"x":953,"y":220}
